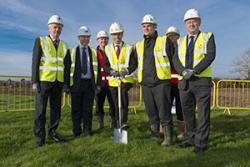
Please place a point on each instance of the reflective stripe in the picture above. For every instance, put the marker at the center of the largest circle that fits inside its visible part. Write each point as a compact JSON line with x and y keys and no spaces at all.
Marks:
{"x":200,"y":51}
{"x":95,"y":63}
{"x":52,"y":58}
{"x":139,"y":68}
{"x":71,"y":74}
{"x":140,"y":58}
{"x":104,"y":78}
{"x":73,"y":65}
{"x":162,"y":64}
{"x":181,"y":56}
{"x":109,"y":52}
{"x":159,"y":54}
{"x":46,"y":49}
{"x":205,"y":42}
{"x":119,"y":66}
{"x":179,"y":49}
{"x":64,"y":48}
{"x":127,"y":56}
{"x":174,"y":75}
{"x":163,"y":45}
{"x":51,"y":68}
{"x":196,"y":62}
{"x":95,"y":72}
{"x":102,"y":69}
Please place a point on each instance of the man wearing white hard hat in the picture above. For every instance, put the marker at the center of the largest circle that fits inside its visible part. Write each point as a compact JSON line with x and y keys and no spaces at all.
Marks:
{"x":173,"y":34}
{"x":102,"y":38}
{"x":196,"y":51}
{"x":154,"y":74}
{"x":49,"y":74}
{"x":84,"y":81}
{"x":120,"y":62}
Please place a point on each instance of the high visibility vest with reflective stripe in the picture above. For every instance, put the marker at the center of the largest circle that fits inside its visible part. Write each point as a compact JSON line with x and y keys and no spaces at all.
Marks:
{"x":52,"y":61}
{"x":119,"y":64}
{"x":73,"y":60}
{"x":200,"y":50}
{"x":162,"y":64}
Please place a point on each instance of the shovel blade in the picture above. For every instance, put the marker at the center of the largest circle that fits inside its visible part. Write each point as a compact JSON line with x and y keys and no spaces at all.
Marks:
{"x":120,"y":136}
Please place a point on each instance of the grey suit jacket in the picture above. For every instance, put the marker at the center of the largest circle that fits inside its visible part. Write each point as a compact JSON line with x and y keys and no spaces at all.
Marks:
{"x":209,"y":58}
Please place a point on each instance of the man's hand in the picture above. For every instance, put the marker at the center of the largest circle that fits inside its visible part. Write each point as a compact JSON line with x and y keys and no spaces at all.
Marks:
{"x":36,"y":87}
{"x":124,"y":73}
{"x":187,"y":74}
{"x":114,"y":73}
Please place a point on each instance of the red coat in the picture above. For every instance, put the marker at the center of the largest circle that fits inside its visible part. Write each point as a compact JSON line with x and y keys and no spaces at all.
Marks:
{"x":174,"y":76}
{"x":104,"y":75}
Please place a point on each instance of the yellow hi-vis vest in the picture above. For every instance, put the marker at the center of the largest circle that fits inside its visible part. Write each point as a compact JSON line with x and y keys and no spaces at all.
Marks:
{"x":73,"y":61}
{"x":52,"y":61}
{"x":162,"y":63}
{"x":119,"y":64}
{"x":200,"y":50}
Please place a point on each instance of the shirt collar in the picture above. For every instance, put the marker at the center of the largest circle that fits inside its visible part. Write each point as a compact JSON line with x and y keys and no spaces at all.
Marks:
{"x":120,"y":44}
{"x":81,"y":46}
{"x":53,"y":39}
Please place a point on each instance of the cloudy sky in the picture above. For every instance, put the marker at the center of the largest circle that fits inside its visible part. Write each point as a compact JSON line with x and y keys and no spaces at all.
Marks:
{"x":21,"y":21}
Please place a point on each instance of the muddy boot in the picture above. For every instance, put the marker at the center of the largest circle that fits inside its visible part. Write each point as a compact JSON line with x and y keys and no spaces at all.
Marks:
{"x":180,"y":130}
{"x":168,"y":136}
{"x":100,"y":123}
{"x":154,"y":131}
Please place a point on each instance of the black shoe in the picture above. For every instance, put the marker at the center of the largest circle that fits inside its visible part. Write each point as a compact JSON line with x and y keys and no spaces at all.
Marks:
{"x":186,"y":145}
{"x":198,"y":150}
{"x":155,"y":135}
{"x":77,"y":134}
{"x":57,"y":138}
{"x":39,"y":144}
{"x":125,"y":127}
{"x":87,"y":133}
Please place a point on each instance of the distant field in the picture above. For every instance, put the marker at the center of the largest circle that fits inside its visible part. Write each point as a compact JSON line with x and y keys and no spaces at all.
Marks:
{"x":229,"y":144}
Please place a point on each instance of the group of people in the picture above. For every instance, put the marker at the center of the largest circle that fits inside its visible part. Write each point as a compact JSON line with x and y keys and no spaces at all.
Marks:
{"x":168,"y":67}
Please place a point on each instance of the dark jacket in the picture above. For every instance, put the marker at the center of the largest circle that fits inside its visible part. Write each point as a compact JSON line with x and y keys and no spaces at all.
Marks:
{"x":149,"y":75}
{"x":78,"y":72}
{"x":132,"y":63}
{"x":209,"y":58}
{"x":36,"y":57}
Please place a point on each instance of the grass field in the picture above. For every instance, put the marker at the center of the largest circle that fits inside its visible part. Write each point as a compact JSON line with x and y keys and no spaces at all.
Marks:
{"x":229,"y":144}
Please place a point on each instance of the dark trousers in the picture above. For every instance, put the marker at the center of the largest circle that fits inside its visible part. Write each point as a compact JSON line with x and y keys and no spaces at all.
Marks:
{"x":82,"y":106}
{"x":53,"y":92}
{"x":196,"y":133}
{"x":158,"y":104}
{"x":175,"y":95}
{"x":124,"y":102}
{"x":100,"y":99}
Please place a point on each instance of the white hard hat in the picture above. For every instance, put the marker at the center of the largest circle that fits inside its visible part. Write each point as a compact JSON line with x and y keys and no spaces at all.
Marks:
{"x":84,"y":31}
{"x":55,"y":19}
{"x":172,"y":29}
{"x":116,"y":28}
{"x":191,"y":14}
{"x":148,"y":18}
{"x":102,"y":33}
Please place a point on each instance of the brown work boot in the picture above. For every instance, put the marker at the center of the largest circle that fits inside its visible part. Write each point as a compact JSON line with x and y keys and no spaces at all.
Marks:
{"x":180,"y":130}
{"x":168,"y":137}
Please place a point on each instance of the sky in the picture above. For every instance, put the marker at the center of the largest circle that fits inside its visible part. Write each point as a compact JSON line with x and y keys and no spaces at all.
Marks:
{"x":21,"y":21}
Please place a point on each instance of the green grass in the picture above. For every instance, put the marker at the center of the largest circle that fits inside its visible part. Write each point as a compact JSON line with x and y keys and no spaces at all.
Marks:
{"x":229,"y":144}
